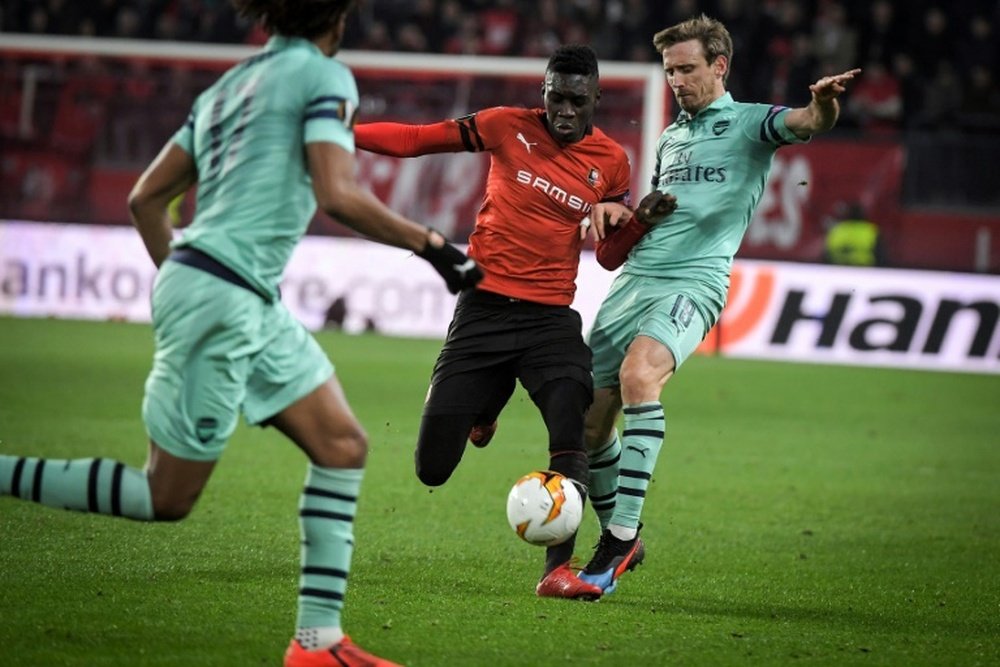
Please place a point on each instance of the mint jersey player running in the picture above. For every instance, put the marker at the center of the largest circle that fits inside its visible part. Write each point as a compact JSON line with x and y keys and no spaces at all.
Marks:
{"x":549,"y":167}
{"x":264,"y":144}
{"x":712,"y":165}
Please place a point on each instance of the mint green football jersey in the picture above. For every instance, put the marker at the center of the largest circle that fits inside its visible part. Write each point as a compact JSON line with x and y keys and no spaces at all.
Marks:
{"x":247,"y":134}
{"x":716,"y":163}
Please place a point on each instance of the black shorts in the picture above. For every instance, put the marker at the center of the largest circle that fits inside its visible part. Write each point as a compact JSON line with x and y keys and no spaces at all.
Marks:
{"x":493,"y":340}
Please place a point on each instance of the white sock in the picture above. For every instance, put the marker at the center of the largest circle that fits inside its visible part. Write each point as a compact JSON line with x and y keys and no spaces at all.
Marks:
{"x":314,"y":639}
{"x":623,"y":533}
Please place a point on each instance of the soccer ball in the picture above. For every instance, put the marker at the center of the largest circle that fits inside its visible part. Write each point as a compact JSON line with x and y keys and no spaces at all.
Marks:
{"x":544,"y":508}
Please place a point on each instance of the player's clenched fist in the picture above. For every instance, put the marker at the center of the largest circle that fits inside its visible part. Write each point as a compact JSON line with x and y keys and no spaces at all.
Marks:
{"x":459,"y":272}
{"x":655,"y":206}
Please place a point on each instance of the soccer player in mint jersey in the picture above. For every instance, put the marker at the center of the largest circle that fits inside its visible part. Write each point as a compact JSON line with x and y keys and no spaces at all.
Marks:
{"x":711,"y":166}
{"x":549,"y":167}
{"x":267,"y":142}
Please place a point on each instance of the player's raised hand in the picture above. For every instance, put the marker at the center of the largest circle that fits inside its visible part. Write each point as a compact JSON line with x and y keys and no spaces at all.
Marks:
{"x":830,"y":87}
{"x":655,"y":206}
{"x":603,"y":217}
{"x":459,"y":272}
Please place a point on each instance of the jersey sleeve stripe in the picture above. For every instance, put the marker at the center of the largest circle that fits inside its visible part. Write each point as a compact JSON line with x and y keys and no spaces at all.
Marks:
{"x":768,"y":132}
{"x":335,"y":99}
{"x":325,"y":113}
{"x":467,"y":127}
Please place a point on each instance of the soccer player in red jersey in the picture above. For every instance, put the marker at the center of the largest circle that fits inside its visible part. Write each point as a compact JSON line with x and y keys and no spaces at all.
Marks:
{"x":550,"y":167}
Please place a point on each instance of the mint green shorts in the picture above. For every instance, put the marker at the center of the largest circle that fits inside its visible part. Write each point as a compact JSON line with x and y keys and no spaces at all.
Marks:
{"x":659,"y":308}
{"x":221,"y":350}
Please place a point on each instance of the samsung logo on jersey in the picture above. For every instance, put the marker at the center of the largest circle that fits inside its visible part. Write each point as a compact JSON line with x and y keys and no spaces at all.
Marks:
{"x":553,"y":191}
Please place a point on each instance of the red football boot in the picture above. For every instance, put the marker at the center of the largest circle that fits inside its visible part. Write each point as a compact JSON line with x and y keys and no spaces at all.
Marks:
{"x":344,"y":653}
{"x":562,"y":582}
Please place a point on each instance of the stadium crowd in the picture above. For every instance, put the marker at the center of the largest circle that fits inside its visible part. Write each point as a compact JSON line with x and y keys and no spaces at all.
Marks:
{"x":928,"y":64}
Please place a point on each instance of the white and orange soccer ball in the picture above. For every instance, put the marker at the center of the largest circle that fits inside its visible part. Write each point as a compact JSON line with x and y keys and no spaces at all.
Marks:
{"x":544,"y":508}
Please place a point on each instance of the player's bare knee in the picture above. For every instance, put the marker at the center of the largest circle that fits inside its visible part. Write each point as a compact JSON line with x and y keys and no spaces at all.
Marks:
{"x":637,"y":379}
{"x":343,"y":450}
{"x":172,"y":508}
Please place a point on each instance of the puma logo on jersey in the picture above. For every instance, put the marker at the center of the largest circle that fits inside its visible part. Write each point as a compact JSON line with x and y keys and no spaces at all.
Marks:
{"x":642,"y":451}
{"x":527,"y":144}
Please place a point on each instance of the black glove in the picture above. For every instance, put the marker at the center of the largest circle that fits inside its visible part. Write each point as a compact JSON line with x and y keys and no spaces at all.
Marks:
{"x":459,"y":272}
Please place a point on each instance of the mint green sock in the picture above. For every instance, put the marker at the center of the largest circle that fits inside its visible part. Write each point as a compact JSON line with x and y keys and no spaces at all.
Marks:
{"x":327,"y":508}
{"x":103,"y":486}
{"x":642,"y":439}
{"x":604,"y":479}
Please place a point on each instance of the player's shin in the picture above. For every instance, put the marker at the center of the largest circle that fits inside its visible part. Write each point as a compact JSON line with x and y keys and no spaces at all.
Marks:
{"x":603,"y":486}
{"x":572,"y":464}
{"x":563,"y":403}
{"x":642,"y":439}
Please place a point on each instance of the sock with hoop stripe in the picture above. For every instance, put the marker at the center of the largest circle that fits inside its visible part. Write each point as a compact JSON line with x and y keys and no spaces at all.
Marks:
{"x":326,"y":516}
{"x":642,"y":439}
{"x":604,"y":478}
{"x":102,"y":486}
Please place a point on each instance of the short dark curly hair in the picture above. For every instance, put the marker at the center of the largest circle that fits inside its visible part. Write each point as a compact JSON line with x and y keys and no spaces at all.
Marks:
{"x":294,"y":18}
{"x":573,"y":59}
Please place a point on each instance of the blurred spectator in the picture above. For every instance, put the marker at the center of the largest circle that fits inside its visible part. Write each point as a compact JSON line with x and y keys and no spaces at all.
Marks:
{"x":783,"y":42}
{"x":802,"y":67}
{"x":941,"y":100}
{"x":911,"y":88}
{"x":377,"y":38}
{"x":132,"y":143}
{"x":835,"y":41}
{"x":104,"y":14}
{"x":882,"y":35}
{"x":83,"y":106}
{"x":933,"y":40}
{"x":63,"y":17}
{"x":876,"y":102}
{"x":410,"y":38}
{"x":773,"y":70}
{"x":466,"y":39}
{"x":854,"y":240}
{"x":499,"y":28}
{"x":636,"y":32}
{"x":979,"y":46}
{"x":979,"y":111}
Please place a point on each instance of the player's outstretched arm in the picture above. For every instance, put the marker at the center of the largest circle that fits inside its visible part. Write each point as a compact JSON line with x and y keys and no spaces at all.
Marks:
{"x":402,"y":140}
{"x":613,"y":249}
{"x":604,"y":218}
{"x":169,"y":175}
{"x":339,"y":194}
{"x":822,"y":111}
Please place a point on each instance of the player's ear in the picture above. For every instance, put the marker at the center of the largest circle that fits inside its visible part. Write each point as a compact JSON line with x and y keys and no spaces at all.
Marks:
{"x":721,"y":66}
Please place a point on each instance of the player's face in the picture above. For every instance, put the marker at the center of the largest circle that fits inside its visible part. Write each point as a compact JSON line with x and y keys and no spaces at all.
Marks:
{"x":570,"y":100}
{"x":695,"y":81}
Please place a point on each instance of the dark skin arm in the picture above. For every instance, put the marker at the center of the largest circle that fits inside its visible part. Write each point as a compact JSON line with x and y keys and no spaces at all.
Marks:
{"x":169,"y":175}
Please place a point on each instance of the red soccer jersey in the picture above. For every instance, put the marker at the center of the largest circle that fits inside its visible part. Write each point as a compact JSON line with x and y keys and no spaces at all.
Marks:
{"x":527,"y":234}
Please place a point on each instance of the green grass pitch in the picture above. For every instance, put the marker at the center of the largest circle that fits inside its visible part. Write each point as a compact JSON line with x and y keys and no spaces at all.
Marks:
{"x":799,"y":514}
